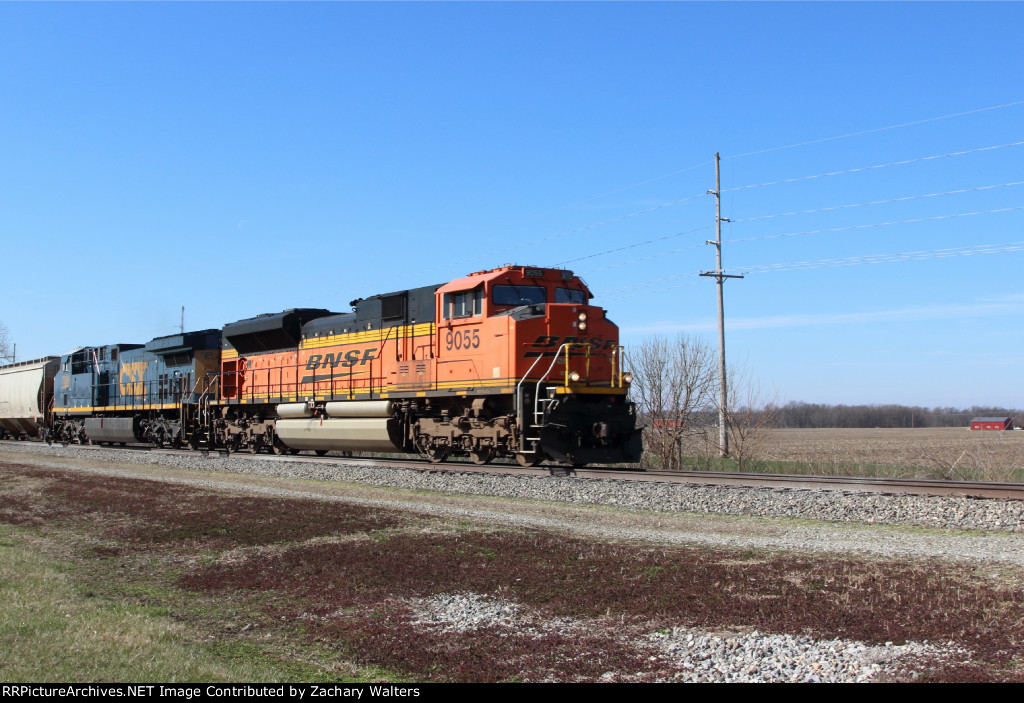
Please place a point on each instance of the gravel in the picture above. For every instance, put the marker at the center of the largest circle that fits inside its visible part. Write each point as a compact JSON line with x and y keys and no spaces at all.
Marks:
{"x":832,"y":506}
{"x":765,"y":658}
{"x":695,"y":655}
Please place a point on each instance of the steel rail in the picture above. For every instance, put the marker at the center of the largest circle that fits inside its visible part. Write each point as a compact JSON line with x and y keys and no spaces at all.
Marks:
{"x":850,"y":484}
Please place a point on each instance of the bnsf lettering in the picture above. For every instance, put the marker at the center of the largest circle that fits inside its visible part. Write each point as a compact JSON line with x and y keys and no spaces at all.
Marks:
{"x":348,"y":360}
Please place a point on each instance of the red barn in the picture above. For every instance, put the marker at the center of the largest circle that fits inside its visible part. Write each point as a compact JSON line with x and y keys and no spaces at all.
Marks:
{"x":992,"y":423}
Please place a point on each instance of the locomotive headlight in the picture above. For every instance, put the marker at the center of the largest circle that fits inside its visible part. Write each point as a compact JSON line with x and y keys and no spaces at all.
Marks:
{"x":574,"y":376}
{"x":582,"y":317}
{"x":582,"y":326}
{"x":627,"y":378}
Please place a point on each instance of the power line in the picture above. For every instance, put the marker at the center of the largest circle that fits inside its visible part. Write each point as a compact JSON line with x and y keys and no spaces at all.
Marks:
{"x":585,"y":228}
{"x":868,"y":168}
{"x":806,"y":143}
{"x":656,"y":283}
{"x":638,"y":244}
{"x":641,"y":183}
{"x":877,"y":202}
{"x":704,"y":163}
{"x":876,"y":224}
{"x":809,"y":142}
{"x":1003,"y":248}
{"x":616,"y":191}
{"x":657,"y":286}
{"x":876,"y":129}
{"x":771,"y":236}
{"x":648,"y":292}
{"x":803,"y":212}
{"x":695,"y":166}
{"x":648,"y":258}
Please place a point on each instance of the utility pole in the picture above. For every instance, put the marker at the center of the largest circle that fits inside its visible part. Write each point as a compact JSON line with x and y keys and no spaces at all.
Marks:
{"x":720,"y":276}
{"x":183,"y":319}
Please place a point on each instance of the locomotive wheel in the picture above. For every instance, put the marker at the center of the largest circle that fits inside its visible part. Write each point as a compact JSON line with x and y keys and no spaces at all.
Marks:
{"x":293,"y":452}
{"x":437,"y":454}
{"x":278,"y":449}
{"x":527,"y":459}
{"x":255,"y":447}
{"x":484,"y":456}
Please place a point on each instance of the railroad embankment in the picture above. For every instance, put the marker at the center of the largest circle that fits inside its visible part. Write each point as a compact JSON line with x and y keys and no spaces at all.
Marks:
{"x":280,"y":562}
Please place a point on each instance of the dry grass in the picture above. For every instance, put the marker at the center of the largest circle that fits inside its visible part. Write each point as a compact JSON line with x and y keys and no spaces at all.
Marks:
{"x":954,"y":453}
{"x":55,"y":631}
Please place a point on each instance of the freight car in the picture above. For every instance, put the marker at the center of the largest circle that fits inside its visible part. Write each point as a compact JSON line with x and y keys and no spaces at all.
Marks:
{"x":25,"y":393}
{"x":513,"y":361}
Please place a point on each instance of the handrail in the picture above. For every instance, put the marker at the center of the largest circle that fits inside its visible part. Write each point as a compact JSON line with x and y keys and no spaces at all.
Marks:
{"x":618,"y":361}
{"x":554,"y":361}
{"x":519,"y":402}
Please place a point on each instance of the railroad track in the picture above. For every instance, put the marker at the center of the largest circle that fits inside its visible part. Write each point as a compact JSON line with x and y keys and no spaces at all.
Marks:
{"x":933,"y":487}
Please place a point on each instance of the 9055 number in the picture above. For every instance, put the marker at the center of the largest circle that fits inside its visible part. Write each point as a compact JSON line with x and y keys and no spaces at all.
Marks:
{"x":468,"y":339}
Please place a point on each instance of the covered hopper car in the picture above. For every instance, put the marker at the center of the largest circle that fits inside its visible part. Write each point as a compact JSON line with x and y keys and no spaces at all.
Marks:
{"x":25,"y":393}
{"x":513,"y":362}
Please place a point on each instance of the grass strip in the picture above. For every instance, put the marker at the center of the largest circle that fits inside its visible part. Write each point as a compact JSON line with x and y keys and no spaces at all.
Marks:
{"x":54,"y":631}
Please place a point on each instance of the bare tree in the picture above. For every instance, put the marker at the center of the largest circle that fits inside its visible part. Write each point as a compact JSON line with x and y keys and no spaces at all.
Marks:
{"x":5,"y":344}
{"x":673,"y":383}
{"x":748,"y":419}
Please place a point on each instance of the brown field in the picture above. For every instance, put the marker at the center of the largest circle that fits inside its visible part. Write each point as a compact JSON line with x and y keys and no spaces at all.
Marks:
{"x":955,"y":453}
{"x":930,"y":452}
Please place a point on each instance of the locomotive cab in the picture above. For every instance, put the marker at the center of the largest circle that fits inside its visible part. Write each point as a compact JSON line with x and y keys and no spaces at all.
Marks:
{"x":557,"y":355}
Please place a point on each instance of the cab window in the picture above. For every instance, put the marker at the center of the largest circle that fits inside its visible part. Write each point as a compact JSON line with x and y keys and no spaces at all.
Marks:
{"x":570,"y":295}
{"x":464,"y":304}
{"x":519,"y":295}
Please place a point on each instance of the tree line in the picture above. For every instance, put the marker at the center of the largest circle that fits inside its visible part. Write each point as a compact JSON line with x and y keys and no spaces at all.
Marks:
{"x":818,"y":415}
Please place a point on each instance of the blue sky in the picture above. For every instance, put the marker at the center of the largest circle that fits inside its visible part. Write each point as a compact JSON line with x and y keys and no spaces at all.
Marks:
{"x":242,"y":158}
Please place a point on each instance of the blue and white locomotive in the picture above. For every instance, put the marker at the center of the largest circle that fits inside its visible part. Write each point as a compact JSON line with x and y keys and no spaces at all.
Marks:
{"x":124,"y":393}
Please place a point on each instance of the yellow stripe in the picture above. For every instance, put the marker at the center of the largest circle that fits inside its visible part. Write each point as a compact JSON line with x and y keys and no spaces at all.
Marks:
{"x":377,"y":335}
{"x":407,"y":332}
{"x":118,"y":408}
{"x":591,"y":390}
{"x":475,"y":383}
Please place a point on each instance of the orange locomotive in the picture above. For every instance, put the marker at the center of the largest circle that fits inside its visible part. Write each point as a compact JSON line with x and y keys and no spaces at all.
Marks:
{"x":514,"y":361}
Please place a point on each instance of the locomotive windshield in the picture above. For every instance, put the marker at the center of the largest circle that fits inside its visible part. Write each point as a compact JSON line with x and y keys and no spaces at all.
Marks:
{"x":569,"y":295}
{"x":519,"y":295}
